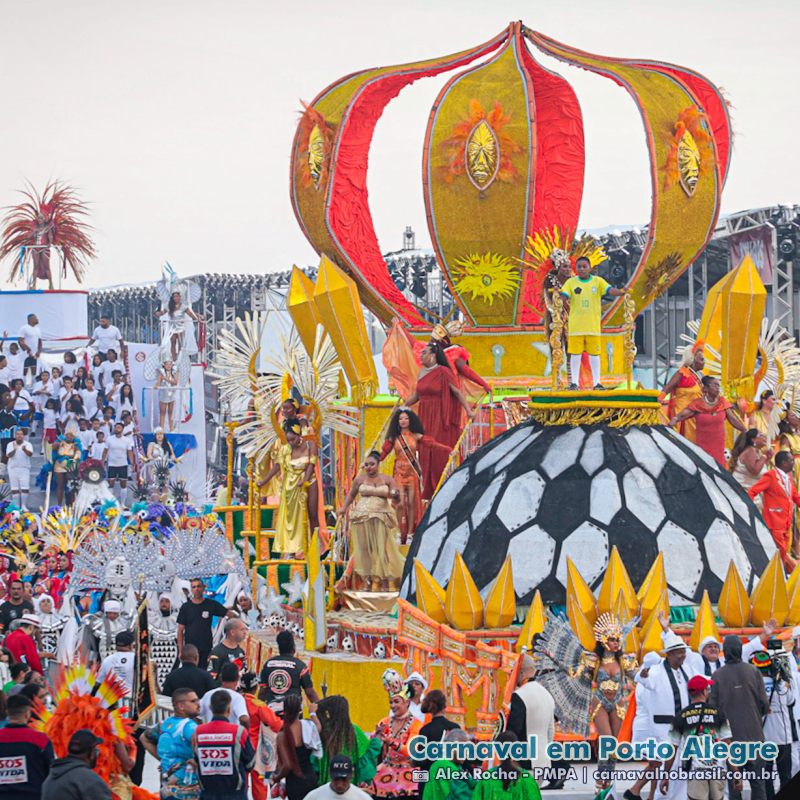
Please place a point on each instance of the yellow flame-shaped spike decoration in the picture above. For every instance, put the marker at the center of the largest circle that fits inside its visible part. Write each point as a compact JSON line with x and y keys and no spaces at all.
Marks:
{"x":578,"y":590}
{"x":705,"y":624}
{"x":793,"y":617}
{"x":463,"y":604}
{"x":769,"y":598}
{"x":653,"y":585}
{"x":616,"y":580}
{"x":534,"y":623}
{"x":580,"y":624}
{"x":303,"y":309}
{"x":337,"y":301}
{"x":501,"y":603}
{"x":430,"y":595}
{"x":623,"y":614}
{"x":734,"y":604}
{"x":651,"y":630}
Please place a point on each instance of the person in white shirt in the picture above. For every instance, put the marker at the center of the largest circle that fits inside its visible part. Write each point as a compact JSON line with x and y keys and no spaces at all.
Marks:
{"x":15,"y":357}
{"x":5,"y":377}
{"x":229,"y":680}
{"x":23,"y":404}
{"x":122,"y":662}
{"x":112,"y":389}
{"x":30,"y":340}
{"x":86,"y":435}
{"x":107,"y":337}
{"x":120,"y":455}
{"x":107,"y":369}
{"x":56,"y":382}
{"x":41,"y":392}
{"x":107,"y":423}
{"x":99,"y":448}
{"x":340,"y":786}
{"x":90,"y":395}
{"x":123,"y":401}
{"x":49,"y":423}
{"x":127,"y":424}
{"x":66,"y":392}
{"x":18,"y":455}
{"x":69,"y":365}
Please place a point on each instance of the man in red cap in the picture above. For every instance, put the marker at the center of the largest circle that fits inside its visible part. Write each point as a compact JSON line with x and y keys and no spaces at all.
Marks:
{"x":699,"y":718}
{"x":21,"y":644}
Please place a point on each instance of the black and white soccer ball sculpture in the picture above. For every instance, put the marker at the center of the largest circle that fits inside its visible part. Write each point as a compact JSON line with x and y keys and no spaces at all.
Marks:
{"x":542,"y":494}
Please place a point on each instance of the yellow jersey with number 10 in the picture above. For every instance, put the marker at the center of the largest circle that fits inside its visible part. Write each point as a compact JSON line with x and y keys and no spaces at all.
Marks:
{"x":585,"y":304}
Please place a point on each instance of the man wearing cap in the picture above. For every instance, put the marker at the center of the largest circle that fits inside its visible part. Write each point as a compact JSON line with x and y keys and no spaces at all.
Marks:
{"x":223,"y":753}
{"x":738,"y":692}
{"x":340,"y":786}
{"x":708,"y":658}
{"x":667,"y":685}
{"x":699,"y":718}
{"x":416,"y":686}
{"x":73,"y":777}
{"x":25,"y":754}
{"x":122,"y":662}
{"x":21,"y":643}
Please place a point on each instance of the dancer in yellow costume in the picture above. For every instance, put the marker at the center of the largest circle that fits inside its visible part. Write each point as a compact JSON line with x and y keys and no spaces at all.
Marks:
{"x":765,"y":415}
{"x":585,"y":293}
{"x":684,"y":387}
{"x":295,"y":464}
{"x":377,"y":560}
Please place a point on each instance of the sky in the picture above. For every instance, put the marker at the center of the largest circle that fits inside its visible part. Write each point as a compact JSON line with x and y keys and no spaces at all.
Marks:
{"x":175,"y":119}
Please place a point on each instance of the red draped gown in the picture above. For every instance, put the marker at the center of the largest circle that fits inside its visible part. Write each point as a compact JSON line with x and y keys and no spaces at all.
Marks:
{"x":441,"y":417}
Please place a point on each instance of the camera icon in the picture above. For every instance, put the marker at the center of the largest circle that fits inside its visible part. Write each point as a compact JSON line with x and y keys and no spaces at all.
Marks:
{"x":419,"y":775}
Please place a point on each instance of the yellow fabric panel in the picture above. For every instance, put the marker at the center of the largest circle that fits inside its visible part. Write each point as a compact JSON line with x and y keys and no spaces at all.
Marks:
{"x":467,"y":220}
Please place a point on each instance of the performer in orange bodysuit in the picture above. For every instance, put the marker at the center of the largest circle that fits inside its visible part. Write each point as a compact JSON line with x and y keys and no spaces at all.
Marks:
{"x":684,"y":387}
{"x":405,"y":436}
{"x":780,"y":497}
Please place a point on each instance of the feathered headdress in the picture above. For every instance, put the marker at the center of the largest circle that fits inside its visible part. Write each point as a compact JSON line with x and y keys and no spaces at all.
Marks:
{"x":607,"y":627}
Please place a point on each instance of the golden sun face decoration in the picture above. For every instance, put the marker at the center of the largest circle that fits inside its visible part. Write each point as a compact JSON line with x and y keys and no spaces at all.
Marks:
{"x":486,"y":276}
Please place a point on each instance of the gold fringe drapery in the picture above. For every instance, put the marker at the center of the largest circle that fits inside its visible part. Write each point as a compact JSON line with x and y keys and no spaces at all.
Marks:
{"x":615,"y":417}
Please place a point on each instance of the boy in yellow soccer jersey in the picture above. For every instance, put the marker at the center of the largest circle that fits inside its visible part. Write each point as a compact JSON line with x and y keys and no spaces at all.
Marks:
{"x":585,"y":293}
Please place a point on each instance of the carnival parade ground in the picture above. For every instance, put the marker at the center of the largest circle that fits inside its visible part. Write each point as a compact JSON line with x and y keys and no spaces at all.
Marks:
{"x":420,"y":477}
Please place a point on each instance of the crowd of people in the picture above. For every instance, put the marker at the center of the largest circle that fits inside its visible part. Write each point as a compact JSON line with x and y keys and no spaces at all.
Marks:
{"x":77,"y":411}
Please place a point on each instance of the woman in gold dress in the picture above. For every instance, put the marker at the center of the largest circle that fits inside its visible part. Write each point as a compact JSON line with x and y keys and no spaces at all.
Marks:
{"x":295,"y":464}
{"x":762,"y":416}
{"x":378,"y":562}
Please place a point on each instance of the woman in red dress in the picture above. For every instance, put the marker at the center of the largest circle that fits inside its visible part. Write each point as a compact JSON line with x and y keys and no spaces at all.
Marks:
{"x":709,"y":412}
{"x":407,"y":438}
{"x":440,"y":403}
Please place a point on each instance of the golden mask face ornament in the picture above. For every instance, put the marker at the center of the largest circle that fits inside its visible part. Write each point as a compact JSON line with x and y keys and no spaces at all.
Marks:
{"x":482,"y":155}
{"x":688,"y":163}
{"x":316,"y":155}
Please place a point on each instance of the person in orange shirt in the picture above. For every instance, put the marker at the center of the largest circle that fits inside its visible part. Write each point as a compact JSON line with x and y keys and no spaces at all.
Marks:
{"x":260,"y":714}
{"x":780,"y":495}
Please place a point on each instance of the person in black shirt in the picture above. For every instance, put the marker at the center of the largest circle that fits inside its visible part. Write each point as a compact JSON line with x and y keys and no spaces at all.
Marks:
{"x":8,"y":423}
{"x":25,"y":754}
{"x":195,"y":620}
{"x":434,"y":731}
{"x":229,"y":650}
{"x":188,"y":675}
{"x":15,"y":606}
{"x":283,"y":675}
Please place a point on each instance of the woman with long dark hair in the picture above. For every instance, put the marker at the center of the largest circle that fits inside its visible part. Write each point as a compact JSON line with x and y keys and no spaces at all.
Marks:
{"x":296,"y":743}
{"x":440,"y":404}
{"x":178,"y":326}
{"x":341,"y":737}
{"x":749,"y":459}
{"x":406,"y":437}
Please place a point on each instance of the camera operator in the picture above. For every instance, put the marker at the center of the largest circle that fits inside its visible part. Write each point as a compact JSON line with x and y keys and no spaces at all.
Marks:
{"x":773,"y":664}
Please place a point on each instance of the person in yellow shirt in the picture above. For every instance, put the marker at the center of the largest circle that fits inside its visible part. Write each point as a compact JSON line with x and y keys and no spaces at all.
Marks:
{"x":585,"y":293}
